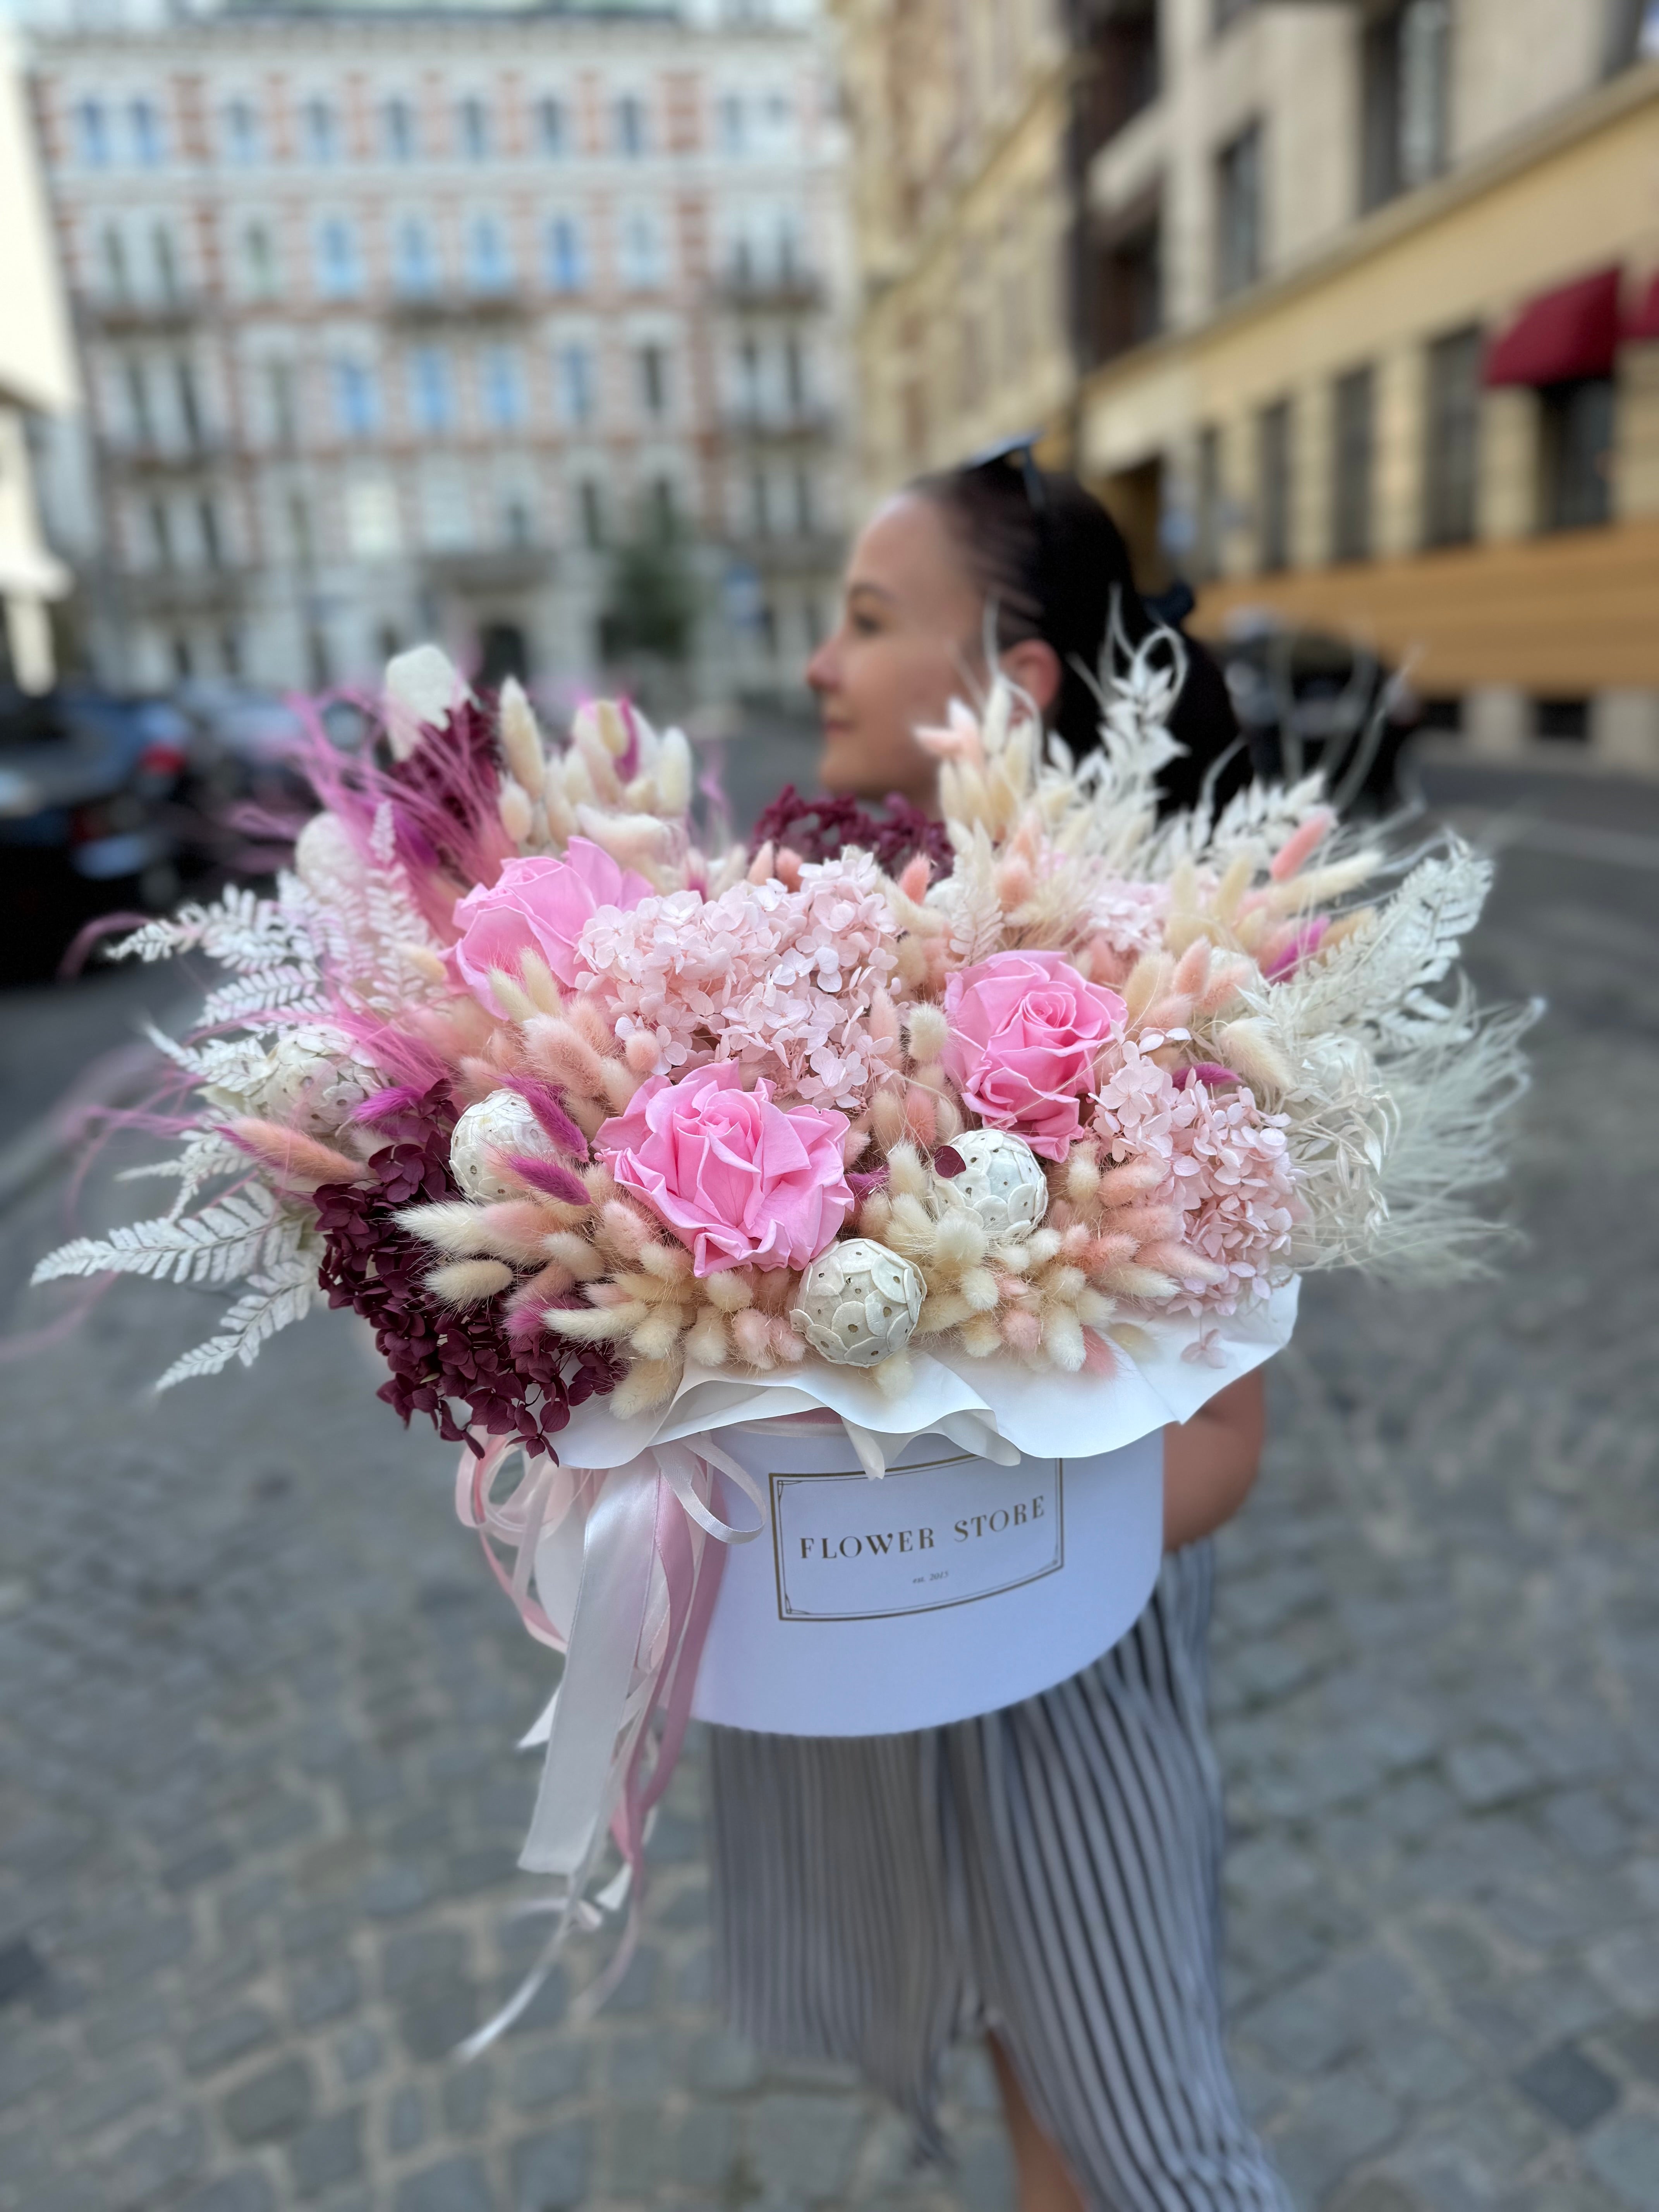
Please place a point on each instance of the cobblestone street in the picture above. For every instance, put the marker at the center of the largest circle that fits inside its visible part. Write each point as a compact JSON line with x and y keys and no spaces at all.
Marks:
{"x":259,"y":1806}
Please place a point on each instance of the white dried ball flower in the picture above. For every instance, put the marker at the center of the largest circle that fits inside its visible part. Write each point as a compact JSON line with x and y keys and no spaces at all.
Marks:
{"x":860,"y":1304}
{"x":312,"y":1080}
{"x":502,"y":1122}
{"x":1001,"y":1184}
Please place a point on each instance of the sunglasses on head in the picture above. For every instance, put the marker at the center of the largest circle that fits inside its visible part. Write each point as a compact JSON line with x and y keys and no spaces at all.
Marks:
{"x":1014,"y":452}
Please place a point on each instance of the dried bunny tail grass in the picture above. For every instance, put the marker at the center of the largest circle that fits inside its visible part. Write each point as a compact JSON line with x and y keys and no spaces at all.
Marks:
{"x":297,"y":1159}
{"x":647,"y":1384}
{"x":467,"y":1282}
{"x":927,"y":1033}
{"x":557,"y":1049}
{"x":708,"y":1341}
{"x":521,"y":740}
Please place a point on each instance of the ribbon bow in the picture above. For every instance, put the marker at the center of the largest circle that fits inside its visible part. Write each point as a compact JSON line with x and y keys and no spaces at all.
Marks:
{"x":626,"y":1564}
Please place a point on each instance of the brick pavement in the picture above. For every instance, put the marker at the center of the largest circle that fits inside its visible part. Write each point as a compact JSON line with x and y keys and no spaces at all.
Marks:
{"x":258,"y":1808}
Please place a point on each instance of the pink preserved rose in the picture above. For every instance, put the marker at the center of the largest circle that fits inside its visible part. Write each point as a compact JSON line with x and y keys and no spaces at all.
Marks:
{"x":537,"y":905}
{"x":737,"y":1178}
{"x":1026,"y":1033}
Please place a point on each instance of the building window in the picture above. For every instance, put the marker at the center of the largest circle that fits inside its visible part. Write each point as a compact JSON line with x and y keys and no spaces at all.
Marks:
{"x":1273,"y":485}
{"x":319,"y":132}
{"x":190,"y":405}
{"x":144,"y":127}
{"x":566,"y":255}
{"x":805,"y":506}
{"x":591,"y":503}
{"x":430,"y":396}
{"x":339,"y":274}
{"x":355,"y":399}
{"x":502,"y":383}
{"x":414,"y":264}
{"x":472,"y":129}
{"x":1124,"y":76}
{"x":397,"y":132}
{"x":795,"y":373}
{"x":489,"y":267}
{"x":242,"y":140}
{"x":640,"y":259}
{"x":1353,"y":440}
{"x":207,"y":525}
{"x":1451,"y":457}
{"x":664,"y":513}
{"x":730,"y":118}
{"x":1208,"y":547}
{"x":165,"y":261}
{"x":552,"y":127}
{"x":113,"y":248}
{"x":630,"y":130}
{"x":653,"y":364}
{"x":1408,"y":54}
{"x":446,"y":509}
{"x":575,"y":381}
{"x":140,"y":423}
{"x":1576,"y":451}
{"x":1238,"y":213}
{"x":259,"y":261}
{"x":161,"y":533}
{"x":1128,"y":299}
{"x":91,"y":134}
{"x":279,"y":386}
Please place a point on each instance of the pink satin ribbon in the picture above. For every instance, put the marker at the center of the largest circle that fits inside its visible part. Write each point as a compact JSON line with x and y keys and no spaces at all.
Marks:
{"x":652,"y":1550}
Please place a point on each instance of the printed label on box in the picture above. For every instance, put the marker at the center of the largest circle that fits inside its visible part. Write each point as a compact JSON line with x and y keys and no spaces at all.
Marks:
{"x":942,"y":1534}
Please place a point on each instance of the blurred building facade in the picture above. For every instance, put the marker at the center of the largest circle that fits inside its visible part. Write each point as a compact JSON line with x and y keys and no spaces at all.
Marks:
{"x":37,"y":377}
{"x":1347,"y":307}
{"x":962,"y":211}
{"x":401,"y":323}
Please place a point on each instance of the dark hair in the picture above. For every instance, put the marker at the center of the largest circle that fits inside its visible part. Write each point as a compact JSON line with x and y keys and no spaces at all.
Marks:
{"x":1050,"y":561}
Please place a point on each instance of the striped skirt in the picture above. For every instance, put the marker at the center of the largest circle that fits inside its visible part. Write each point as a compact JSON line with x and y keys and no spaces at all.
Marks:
{"x":1050,"y":1873}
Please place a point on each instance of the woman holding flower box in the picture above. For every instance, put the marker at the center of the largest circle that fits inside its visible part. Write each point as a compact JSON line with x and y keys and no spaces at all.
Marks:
{"x":1047,"y":1876}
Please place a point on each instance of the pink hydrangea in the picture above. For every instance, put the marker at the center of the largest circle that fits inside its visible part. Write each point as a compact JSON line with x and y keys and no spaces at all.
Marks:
{"x":1227,"y":1167}
{"x":781,"y":981}
{"x":736,"y":1177}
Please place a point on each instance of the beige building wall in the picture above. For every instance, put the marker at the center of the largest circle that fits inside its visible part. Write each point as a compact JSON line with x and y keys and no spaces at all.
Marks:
{"x":1551,"y":173}
{"x":962,"y":211}
{"x":37,"y":373}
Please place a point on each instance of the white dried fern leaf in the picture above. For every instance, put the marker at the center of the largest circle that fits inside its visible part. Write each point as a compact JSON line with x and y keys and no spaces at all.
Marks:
{"x":274,"y":1300}
{"x":240,"y":931}
{"x":239,"y":1233}
{"x":293,"y":993}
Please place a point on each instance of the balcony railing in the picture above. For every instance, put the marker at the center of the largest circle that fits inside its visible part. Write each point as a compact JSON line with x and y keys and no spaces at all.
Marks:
{"x":789,"y":553}
{"x":490,"y":569}
{"x":117,"y":313}
{"x":174,"y":591}
{"x":779,"y":426}
{"x":150,"y":457}
{"x":773,"y":291}
{"x":498,"y":303}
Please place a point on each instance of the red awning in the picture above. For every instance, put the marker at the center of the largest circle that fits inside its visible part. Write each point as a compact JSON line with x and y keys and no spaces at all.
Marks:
{"x":1571,"y":332}
{"x":1642,"y":326}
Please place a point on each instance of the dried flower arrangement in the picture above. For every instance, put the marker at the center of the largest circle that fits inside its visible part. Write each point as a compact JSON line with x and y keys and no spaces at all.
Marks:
{"x":562,"y":1105}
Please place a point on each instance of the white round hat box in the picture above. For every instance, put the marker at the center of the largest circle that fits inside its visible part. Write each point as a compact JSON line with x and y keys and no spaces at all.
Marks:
{"x":951,"y":1587}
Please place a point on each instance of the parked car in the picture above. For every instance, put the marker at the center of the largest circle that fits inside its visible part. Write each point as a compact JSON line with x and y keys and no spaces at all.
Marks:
{"x":87,"y":818}
{"x":1307,"y":701}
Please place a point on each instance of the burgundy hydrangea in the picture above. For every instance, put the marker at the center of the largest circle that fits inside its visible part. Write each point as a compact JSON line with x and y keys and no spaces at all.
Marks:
{"x":441,"y":1357}
{"x":819,"y":829}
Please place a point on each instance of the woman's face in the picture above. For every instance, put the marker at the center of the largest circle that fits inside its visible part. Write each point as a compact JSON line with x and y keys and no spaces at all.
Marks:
{"x":908,"y":639}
